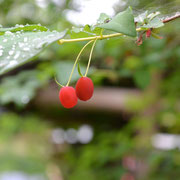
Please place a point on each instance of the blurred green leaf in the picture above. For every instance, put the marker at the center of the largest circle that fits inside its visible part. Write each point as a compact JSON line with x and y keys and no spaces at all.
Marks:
{"x":142,"y":78}
{"x":132,"y":62}
{"x":156,"y":35}
{"x":64,"y":68}
{"x":20,"y":89}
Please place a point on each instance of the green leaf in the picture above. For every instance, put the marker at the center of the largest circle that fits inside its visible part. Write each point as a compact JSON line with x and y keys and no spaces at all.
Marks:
{"x":142,"y":78}
{"x":92,"y":30}
{"x":64,"y":68}
{"x":103,"y":18}
{"x":153,"y":15}
{"x":79,"y":70}
{"x":145,"y":17}
{"x":122,"y":23}
{"x":77,"y":33}
{"x":156,"y":35}
{"x":141,"y":18}
{"x":20,"y":47}
{"x":87,"y":31}
{"x":20,"y":89}
{"x":132,"y":62}
{"x":154,"y":23}
{"x":23,"y":28}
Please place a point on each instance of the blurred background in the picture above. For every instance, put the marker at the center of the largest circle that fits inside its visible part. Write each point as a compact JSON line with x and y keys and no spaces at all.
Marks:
{"x":129,"y":130}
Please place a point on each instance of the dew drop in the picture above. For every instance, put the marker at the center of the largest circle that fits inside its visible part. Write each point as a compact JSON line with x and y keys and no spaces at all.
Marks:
{"x":25,"y":99}
{"x":1,"y":52}
{"x":12,"y":63}
{"x":39,"y":46}
{"x":2,"y":64}
{"x":8,"y":33}
{"x":11,"y":53}
{"x":26,"y":49}
{"x":17,"y":55}
{"x":25,"y":39}
{"x":21,"y":44}
{"x":21,"y":26}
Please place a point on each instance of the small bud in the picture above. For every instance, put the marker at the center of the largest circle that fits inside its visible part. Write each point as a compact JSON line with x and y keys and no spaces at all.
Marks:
{"x":139,"y":40}
{"x":148,"y":33}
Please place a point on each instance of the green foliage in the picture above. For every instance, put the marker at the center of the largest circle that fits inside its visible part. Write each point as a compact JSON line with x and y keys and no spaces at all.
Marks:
{"x":146,"y":20}
{"x":20,"y":89}
{"x":122,"y":23}
{"x":142,"y":78}
{"x":103,"y":18}
{"x":102,"y":160}
{"x":87,"y":31}
{"x":154,"y":23}
{"x":23,"y":28}
{"x":122,"y":141}
{"x":132,"y":62}
{"x":16,"y":152}
{"x":97,"y":161}
{"x":63,"y":70}
{"x":19,"y":47}
{"x":20,"y":44}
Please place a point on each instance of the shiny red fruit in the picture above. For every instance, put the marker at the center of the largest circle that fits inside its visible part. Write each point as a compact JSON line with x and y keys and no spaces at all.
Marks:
{"x":84,"y":88}
{"x":68,"y":97}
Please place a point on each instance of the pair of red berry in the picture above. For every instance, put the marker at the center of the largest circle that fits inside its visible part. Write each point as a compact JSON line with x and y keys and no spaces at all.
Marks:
{"x":84,"y":90}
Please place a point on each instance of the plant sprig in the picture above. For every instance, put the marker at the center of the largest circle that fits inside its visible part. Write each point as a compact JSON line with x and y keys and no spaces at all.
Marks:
{"x":143,"y":22}
{"x":20,"y":44}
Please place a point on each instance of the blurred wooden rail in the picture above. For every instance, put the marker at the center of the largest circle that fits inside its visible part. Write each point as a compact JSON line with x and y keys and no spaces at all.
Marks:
{"x":108,"y":99}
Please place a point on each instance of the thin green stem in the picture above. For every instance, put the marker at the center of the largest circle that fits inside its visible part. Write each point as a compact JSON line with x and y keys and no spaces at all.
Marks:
{"x":90,"y":57}
{"x":61,"y":41}
{"x":77,"y":61}
{"x":58,"y":82}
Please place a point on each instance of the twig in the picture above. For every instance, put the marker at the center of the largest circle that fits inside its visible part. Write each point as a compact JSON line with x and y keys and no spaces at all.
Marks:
{"x":61,"y":41}
{"x":171,"y":18}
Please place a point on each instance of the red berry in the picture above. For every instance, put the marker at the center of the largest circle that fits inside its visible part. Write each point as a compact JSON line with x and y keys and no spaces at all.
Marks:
{"x":84,"y":88}
{"x":68,"y":97}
